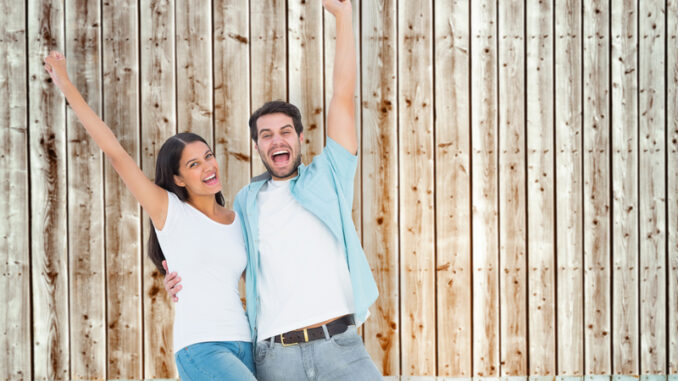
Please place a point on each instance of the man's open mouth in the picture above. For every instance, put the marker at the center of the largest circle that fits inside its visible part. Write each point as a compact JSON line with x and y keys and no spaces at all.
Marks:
{"x":281,"y":156}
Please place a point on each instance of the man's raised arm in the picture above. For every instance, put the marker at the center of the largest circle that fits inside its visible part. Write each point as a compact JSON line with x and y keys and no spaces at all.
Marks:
{"x":341,"y":114}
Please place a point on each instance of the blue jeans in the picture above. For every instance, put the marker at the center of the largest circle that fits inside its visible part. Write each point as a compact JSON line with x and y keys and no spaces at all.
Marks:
{"x":342,"y":357}
{"x":216,"y":360}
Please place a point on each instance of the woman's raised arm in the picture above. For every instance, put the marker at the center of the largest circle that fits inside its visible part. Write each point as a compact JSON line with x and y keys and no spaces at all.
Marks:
{"x":151,"y":197}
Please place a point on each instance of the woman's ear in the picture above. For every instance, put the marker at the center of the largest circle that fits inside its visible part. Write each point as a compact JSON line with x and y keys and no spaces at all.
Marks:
{"x":179,"y":181}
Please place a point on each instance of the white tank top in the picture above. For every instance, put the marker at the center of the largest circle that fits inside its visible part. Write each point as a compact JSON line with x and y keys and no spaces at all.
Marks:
{"x":303,"y":273}
{"x":210,"y":257}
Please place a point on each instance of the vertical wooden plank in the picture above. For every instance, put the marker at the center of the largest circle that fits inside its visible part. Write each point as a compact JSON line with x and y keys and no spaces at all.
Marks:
{"x":651,"y":163}
{"x":49,"y":250}
{"x":596,"y":188}
{"x":305,"y":55}
{"x":569,"y":197}
{"x":15,"y":319}
{"x":484,"y":180}
{"x":380,"y":179}
{"x":123,"y":217}
{"x":158,"y":121}
{"x":417,"y":219}
{"x":540,"y":187}
{"x":194,"y":67}
{"x":268,"y":58}
{"x":232,"y":94}
{"x":85,"y":198}
{"x":330,"y":35}
{"x":512,"y":192}
{"x":624,"y":185}
{"x":453,"y":187}
{"x":672,"y":179}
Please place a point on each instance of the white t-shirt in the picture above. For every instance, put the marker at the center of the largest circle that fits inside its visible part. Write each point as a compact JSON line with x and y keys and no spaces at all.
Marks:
{"x":303,"y":273}
{"x":210,"y":258}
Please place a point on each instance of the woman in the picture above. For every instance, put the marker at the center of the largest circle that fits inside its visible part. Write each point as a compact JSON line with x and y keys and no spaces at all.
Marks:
{"x":195,"y":232}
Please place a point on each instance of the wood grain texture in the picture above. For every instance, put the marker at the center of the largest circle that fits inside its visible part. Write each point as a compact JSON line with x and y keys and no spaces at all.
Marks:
{"x":123,"y":216}
{"x":268,"y":59}
{"x":512,"y":190}
{"x":232,"y":95}
{"x":417,"y":218}
{"x":379,"y":153}
{"x":484,"y":180}
{"x":193,"y":28}
{"x":15,"y":297}
{"x":49,"y":246}
{"x":597,"y":240}
{"x":652,"y":186}
{"x":624,"y":97}
{"x":305,"y":44}
{"x":330,"y":35}
{"x":541,"y":221}
{"x":453,"y":187}
{"x":158,"y":120}
{"x":672,"y":180}
{"x":85,"y":198}
{"x":569,"y":195}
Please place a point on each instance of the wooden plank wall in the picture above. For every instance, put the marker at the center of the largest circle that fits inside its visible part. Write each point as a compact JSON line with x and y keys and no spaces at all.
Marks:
{"x":517,"y":192}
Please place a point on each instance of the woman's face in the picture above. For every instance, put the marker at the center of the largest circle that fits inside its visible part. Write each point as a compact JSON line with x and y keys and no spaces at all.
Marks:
{"x":198,"y":170}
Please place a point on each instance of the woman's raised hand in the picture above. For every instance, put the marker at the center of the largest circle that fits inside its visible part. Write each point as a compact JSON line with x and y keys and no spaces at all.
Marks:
{"x":55,"y":65}
{"x":338,"y":7}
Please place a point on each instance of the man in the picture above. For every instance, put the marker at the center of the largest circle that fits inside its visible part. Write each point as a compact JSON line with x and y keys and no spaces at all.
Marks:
{"x":307,"y":279}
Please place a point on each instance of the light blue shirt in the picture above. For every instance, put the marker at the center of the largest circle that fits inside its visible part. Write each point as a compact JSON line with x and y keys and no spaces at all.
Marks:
{"x":324,"y":188}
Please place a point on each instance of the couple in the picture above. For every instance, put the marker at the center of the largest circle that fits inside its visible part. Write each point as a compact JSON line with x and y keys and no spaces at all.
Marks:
{"x":308,"y":281}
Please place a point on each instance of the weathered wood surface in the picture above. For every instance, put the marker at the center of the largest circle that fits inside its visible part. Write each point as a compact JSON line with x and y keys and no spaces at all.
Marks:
{"x":305,"y":69}
{"x":597,"y":240}
{"x":484,"y":180}
{"x":512,"y":192}
{"x":85,"y":198}
{"x":232,"y":95}
{"x":158,"y":120}
{"x":417,"y":218}
{"x":47,"y":147}
{"x":193,"y":28}
{"x":672,"y":180}
{"x":569,"y":196}
{"x":123,"y":217}
{"x":652,"y":186}
{"x":541,"y":221}
{"x":453,"y":187}
{"x":268,"y":59}
{"x":15,"y":318}
{"x":551,"y":222}
{"x":380,"y":179}
{"x":624,"y":98}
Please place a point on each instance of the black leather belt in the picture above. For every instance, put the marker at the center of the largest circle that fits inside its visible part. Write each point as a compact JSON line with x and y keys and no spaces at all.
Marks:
{"x":334,"y":327}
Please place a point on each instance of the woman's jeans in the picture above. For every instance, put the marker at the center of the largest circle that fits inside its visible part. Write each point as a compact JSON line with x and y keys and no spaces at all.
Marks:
{"x":341,"y":357}
{"x":216,"y":360}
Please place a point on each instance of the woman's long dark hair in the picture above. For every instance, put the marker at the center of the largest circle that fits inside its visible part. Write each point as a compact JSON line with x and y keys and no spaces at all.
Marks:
{"x":166,"y":167}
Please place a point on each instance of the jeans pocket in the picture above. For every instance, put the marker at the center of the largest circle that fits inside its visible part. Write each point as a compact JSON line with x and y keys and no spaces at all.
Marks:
{"x":347,"y":338}
{"x":261,"y":350}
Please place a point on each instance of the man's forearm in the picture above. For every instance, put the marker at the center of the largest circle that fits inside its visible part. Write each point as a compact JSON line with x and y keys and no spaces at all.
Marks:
{"x":344,"y":75}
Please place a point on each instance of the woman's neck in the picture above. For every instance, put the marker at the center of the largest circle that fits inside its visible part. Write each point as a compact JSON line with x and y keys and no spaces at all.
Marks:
{"x":206,"y":204}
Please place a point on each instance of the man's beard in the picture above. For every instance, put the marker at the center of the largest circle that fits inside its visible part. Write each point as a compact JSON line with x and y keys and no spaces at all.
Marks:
{"x":297,"y":163}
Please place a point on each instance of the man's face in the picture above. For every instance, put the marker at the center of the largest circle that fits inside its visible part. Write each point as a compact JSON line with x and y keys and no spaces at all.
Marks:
{"x":279,"y":145}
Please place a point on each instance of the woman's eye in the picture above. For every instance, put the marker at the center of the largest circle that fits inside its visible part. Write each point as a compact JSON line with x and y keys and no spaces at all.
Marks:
{"x":209,"y":156}
{"x":193,"y":164}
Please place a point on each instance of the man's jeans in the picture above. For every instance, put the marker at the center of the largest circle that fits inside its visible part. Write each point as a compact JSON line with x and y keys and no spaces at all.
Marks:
{"x":342,"y":357}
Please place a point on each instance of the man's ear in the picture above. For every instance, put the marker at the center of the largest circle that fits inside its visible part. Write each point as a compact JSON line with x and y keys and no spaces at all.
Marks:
{"x":179,"y":181}
{"x":301,"y":137}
